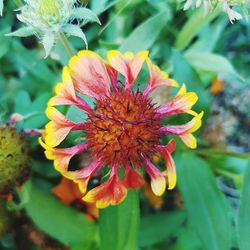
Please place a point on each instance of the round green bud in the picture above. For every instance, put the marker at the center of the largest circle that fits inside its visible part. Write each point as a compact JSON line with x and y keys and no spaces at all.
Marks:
{"x":14,"y":159}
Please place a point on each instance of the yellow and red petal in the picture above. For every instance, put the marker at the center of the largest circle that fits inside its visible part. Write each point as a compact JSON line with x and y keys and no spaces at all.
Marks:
{"x":185,"y":131}
{"x":82,"y":176}
{"x":62,"y":156}
{"x":158,"y":182}
{"x":111,"y":192}
{"x":59,"y":127}
{"x":181,"y":103}
{"x":89,"y":74}
{"x":128,"y":64}
{"x":65,"y":94}
{"x":132,"y":179}
{"x":157,"y":78}
{"x":166,"y":152}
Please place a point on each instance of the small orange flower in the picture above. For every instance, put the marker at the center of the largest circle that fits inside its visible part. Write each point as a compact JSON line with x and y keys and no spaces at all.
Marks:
{"x":124,"y":127}
{"x":216,"y":86}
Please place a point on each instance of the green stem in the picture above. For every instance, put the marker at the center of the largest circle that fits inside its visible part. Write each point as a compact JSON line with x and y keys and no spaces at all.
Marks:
{"x":65,"y":43}
{"x":118,"y":225}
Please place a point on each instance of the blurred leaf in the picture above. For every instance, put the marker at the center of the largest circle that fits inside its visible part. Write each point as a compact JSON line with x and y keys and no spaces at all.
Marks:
{"x":206,"y":42}
{"x":143,"y":37}
{"x":119,"y":224}
{"x":244,"y":215}
{"x":1,"y":7}
{"x":23,"y":32}
{"x":211,"y":62}
{"x":187,"y":239}
{"x":59,"y":221}
{"x":192,"y":27}
{"x":206,"y":207}
{"x":85,"y":14}
{"x":99,"y":6}
{"x":5,"y":41}
{"x":159,"y":227}
{"x":184,"y":73}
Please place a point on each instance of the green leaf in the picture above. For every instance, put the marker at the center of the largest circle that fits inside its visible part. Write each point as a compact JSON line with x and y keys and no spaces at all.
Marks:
{"x":143,"y":37}
{"x":23,"y":32}
{"x":205,"y":204}
{"x":159,"y":227}
{"x":98,"y":5}
{"x":184,"y":73}
{"x":59,"y":221}
{"x":192,"y":27}
{"x":206,"y":42}
{"x":119,"y":224}
{"x":5,"y":41}
{"x":244,"y":215}
{"x":211,"y":62}
{"x":86,"y":14}
{"x":74,"y":30}
{"x":48,"y":42}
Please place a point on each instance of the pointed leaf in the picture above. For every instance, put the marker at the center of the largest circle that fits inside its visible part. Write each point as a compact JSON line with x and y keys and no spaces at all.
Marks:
{"x":48,"y":42}
{"x":59,"y":221}
{"x":74,"y":30}
{"x":85,"y":14}
{"x":119,"y":224}
{"x":159,"y":227}
{"x":23,"y":32}
{"x":144,"y":35}
{"x":244,"y":215}
{"x":206,"y":206}
{"x":211,"y":62}
{"x":197,"y":21}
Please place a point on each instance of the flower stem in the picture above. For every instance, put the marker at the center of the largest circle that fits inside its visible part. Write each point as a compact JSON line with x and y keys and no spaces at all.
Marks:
{"x":65,"y":43}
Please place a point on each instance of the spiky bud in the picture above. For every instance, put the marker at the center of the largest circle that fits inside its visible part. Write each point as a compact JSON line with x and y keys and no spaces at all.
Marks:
{"x":14,"y":159}
{"x":48,"y":19}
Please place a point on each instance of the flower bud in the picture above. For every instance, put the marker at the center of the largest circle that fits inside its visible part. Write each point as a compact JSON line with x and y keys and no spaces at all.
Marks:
{"x":14,"y":159}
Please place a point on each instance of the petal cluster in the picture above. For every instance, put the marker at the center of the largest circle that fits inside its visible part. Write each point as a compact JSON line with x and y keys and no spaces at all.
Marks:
{"x":123,"y":130}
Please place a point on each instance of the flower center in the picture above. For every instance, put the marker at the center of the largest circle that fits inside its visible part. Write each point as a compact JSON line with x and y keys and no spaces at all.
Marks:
{"x":124,"y":127}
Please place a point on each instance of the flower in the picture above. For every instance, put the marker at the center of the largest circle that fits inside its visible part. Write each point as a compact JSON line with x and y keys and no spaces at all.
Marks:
{"x":224,"y":5}
{"x":48,"y":20}
{"x":124,"y":127}
{"x":68,"y":192}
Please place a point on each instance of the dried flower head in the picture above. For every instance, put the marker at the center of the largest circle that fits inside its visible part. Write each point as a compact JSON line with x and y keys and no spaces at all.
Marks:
{"x":123,"y":131}
{"x":14,"y":159}
{"x":47,"y":19}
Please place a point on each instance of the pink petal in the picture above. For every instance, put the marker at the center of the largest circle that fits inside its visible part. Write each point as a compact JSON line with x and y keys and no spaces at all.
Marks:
{"x":127,"y":64}
{"x":89,"y":74}
{"x":157,"y":78}
{"x":158,"y":182}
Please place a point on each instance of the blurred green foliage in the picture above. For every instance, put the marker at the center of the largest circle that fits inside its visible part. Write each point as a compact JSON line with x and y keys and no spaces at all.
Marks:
{"x":209,"y":210}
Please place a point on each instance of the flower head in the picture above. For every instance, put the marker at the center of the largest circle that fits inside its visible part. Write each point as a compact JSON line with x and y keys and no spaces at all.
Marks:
{"x":123,"y":130}
{"x":48,"y":19}
{"x":225,"y":5}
